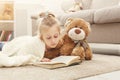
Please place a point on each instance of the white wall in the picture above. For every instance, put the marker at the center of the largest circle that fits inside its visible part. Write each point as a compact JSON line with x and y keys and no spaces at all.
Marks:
{"x":25,"y":8}
{"x":23,"y":12}
{"x":52,"y":5}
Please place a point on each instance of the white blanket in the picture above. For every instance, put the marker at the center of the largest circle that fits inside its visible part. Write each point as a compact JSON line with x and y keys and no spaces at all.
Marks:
{"x":22,"y":51}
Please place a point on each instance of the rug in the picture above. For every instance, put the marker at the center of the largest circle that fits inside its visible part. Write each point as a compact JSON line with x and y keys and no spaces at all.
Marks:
{"x":99,"y":65}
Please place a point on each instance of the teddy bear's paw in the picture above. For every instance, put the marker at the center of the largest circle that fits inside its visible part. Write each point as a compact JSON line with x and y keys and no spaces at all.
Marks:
{"x":82,"y":56}
{"x":79,"y":51}
{"x":88,"y":55}
{"x":88,"y":58}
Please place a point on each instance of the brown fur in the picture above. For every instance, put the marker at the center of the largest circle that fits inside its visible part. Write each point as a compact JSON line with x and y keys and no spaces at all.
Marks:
{"x":54,"y":52}
{"x":67,"y":46}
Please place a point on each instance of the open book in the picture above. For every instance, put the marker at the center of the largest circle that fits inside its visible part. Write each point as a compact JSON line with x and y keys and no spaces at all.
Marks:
{"x":60,"y":61}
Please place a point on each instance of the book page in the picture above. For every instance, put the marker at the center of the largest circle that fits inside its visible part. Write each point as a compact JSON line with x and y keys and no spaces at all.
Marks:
{"x":49,"y":63}
{"x":65,"y":59}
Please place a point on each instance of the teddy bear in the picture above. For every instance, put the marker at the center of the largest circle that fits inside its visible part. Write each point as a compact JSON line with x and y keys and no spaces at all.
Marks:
{"x":74,"y":39}
{"x":77,"y":6}
{"x":7,"y":12}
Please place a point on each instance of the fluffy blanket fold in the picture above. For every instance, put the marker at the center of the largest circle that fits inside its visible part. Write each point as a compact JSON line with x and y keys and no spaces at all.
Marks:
{"x":22,"y":51}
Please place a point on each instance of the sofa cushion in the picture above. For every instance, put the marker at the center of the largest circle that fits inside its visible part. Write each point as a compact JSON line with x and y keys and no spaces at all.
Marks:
{"x":107,"y":15}
{"x":108,"y":49}
{"x":97,"y":4}
{"x":85,"y":14}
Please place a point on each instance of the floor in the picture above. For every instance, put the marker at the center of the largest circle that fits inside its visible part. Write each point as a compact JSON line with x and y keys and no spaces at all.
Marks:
{"x":108,"y":76}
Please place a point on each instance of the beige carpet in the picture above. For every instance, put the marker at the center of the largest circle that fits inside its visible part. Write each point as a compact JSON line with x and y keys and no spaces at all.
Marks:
{"x":99,"y":65}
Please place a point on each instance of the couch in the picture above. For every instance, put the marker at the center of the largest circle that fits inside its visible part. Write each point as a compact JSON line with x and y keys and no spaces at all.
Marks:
{"x":103,"y":15}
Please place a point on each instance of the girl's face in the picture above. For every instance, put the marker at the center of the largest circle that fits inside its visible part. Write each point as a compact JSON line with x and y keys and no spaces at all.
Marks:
{"x":51,"y":37}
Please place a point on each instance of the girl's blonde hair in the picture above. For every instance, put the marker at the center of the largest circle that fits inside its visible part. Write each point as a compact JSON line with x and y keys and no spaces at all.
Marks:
{"x":46,"y":21}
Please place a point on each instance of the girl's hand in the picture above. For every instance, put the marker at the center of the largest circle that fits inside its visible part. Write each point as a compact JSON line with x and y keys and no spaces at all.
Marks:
{"x":45,"y":60}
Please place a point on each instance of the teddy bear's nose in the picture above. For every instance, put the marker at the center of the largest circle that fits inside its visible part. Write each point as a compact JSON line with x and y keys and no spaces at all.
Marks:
{"x":77,"y":31}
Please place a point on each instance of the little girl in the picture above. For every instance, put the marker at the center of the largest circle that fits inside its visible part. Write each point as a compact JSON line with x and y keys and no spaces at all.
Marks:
{"x":48,"y":37}
{"x":49,"y":29}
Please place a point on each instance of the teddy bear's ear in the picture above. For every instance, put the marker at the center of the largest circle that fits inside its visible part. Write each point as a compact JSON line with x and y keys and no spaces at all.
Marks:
{"x":88,"y":24}
{"x":68,"y":21}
